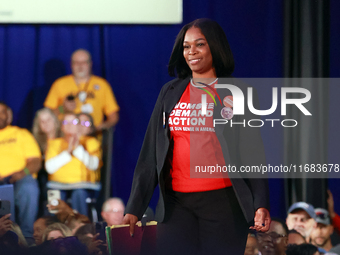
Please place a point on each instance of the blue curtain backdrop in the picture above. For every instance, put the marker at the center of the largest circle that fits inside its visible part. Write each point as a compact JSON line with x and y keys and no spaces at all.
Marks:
{"x":133,"y":58}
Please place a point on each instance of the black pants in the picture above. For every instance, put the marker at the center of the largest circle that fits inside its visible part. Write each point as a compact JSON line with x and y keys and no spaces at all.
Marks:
{"x":208,"y":222}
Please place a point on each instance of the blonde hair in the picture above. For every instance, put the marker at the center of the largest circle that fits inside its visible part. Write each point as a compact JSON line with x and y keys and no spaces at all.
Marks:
{"x":65,"y":230}
{"x":38,"y":134}
{"x":21,"y":239}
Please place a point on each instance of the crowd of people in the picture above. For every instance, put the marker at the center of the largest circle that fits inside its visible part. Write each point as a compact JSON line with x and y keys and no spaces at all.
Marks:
{"x":63,"y":153}
{"x":306,"y":231}
{"x":66,"y":232}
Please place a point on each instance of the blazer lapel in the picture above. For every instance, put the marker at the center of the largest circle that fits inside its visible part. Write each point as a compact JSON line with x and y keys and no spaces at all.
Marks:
{"x":174,"y":94}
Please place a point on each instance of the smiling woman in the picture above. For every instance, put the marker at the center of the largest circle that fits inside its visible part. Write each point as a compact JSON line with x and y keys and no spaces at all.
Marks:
{"x":198,"y":214}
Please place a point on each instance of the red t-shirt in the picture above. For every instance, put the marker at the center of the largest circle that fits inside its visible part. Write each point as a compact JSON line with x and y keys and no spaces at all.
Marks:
{"x":196,"y":152}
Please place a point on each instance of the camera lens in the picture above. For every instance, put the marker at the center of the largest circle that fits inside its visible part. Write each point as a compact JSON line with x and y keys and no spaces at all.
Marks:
{"x":70,"y":97}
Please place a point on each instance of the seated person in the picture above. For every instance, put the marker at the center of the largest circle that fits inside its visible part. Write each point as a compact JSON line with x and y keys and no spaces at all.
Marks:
{"x":275,"y":240}
{"x":72,"y":162}
{"x":321,"y":235}
{"x":40,"y":225}
{"x":87,"y":235}
{"x":20,"y":160}
{"x":46,"y":126}
{"x":56,"y":230}
{"x":301,"y":217}
{"x":251,"y":246}
{"x":113,"y":211}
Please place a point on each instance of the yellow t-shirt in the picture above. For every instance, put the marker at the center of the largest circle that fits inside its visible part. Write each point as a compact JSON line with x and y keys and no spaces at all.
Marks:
{"x":74,"y":171}
{"x":99,"y":101}
{"x":16,"y":146}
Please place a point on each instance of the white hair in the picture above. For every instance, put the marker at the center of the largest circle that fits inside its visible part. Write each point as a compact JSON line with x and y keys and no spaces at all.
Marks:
{"x":108,"y":202}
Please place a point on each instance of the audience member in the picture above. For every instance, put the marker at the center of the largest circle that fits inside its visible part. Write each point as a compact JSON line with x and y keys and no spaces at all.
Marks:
{"x":302,"y":249}
{"x":40,"y":225}
{"x":275,"y":241}
{"x":334,"y":216}
{"x":21,"y":239}
{"x":84,"y":92}
{"x":72,"y":162}
{"x":20,"y":160}
{"x":113,"y":211}
{"x":9,"y":244}
{"x":321,"y":235}
{"x":87,"y":235}
{"x":295,"y":237}
{"x":88,"y":230}
{"x":56,"y":230}
{"x":45,"y":127}
{"x":251,"y":246}
{"x":301,"y":217}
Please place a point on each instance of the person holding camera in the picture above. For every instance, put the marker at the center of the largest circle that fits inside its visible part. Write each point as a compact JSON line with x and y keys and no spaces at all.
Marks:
{"x":84,"y":92}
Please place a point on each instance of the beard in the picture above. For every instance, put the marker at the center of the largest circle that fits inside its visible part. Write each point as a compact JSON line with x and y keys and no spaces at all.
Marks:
{"x":81,"y":74}
{"x":320,"y":241}
{"x":3,"y":123}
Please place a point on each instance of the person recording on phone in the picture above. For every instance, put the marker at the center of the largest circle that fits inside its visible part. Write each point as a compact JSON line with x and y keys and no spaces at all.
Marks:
{"x":84,"y":92}
{"x":20,"y":160}
{"x":72,"y":163}
{"x":198,"y":215}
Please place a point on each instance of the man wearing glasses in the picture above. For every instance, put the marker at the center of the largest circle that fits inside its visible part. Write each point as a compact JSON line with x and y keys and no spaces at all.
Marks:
{"x":84,"y":92}
{"x":275,"y":241}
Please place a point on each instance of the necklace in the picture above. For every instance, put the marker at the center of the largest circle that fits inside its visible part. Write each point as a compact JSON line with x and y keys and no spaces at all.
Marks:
{"x":82,"y":93}
{"x":202,"y":86}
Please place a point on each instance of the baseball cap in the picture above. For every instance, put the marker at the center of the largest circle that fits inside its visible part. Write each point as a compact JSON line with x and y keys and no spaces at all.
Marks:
{"x":308,"y":208}
{"x":322,"y":216}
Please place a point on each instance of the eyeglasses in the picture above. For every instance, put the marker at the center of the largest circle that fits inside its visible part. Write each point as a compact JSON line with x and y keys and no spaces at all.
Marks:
{"x":274,"y":236}
{"x":115,"y":210}
{"x":86,"y":123}
{"x":73,"y":122}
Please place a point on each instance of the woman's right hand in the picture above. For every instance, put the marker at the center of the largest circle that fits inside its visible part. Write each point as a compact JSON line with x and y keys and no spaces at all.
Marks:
{"x":131,"y":220}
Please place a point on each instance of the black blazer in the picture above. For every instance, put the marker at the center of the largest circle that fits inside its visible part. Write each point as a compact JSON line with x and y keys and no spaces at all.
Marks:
{"x":240,"y":146}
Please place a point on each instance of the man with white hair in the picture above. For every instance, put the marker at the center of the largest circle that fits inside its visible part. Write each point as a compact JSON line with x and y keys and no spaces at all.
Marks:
{"x":113,"y":211}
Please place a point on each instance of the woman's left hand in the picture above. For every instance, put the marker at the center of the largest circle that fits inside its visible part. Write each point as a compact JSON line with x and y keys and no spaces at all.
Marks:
{"x":261,"y":220}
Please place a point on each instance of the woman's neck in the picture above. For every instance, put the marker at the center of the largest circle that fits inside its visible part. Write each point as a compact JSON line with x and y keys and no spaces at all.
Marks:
{"x":207,"y":77}
{"x":51,"y":135}
{"x":203,"y":80}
